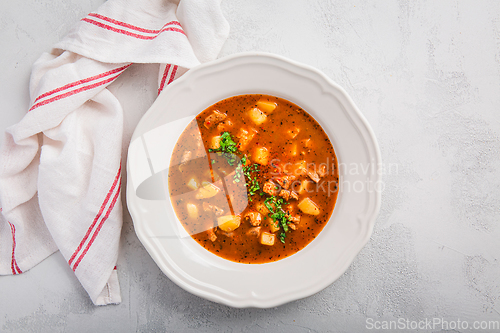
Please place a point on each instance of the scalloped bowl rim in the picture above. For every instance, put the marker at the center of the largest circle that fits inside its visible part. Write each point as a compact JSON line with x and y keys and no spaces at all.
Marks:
{"x":213,"y":293}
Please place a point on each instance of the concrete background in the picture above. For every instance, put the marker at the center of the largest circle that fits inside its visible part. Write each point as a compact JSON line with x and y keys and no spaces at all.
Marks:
{"x":426,"y":75}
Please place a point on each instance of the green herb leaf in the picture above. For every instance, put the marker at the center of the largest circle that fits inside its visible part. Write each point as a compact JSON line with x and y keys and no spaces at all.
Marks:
{"x":282,"y":236}
{"x":227,"y":148}
{"x":279,"y":216}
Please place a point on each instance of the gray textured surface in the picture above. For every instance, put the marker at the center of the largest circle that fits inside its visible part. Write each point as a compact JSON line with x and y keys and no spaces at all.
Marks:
{"x":426,"y":75}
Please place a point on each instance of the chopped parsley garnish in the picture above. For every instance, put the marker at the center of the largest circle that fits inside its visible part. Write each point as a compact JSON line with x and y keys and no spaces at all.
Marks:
{"x":282,"y":237}
{"x":238,"y":173}
{"x":227,"y":148}
{"x":274,"y":205}
{"x":250,"y":173}
{"x":227,"y":145}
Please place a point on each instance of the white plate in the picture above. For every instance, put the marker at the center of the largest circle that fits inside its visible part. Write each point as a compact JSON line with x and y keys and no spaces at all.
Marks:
{"x":241,"y":285}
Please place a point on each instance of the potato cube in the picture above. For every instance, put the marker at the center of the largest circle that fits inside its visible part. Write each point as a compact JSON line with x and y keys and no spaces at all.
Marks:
{"x":266,"y":106}
{"x":273,"y":225}
{"x":262,"y":208}
{"x":308,"y":206}
{"x":261,"y":155}
{"x":307,"y":143}
{"x":192,"y":210}
{"x":292,"y":150}
{"x":214,"y":142}
{"x":207,"y":191}
{"x":300,"y":168}
{"x":257,"y":116}
{"x":304,"y":187}
{"x":293,"y":132}
{"x":208,"y":175}
{"x":267,"y":238}
{"x":301,"y":164}
{"x":229,"y":223}
{"x":193,"y":184}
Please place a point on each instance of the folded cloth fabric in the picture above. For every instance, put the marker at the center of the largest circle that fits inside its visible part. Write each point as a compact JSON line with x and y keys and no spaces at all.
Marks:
{"x":60,"y":166}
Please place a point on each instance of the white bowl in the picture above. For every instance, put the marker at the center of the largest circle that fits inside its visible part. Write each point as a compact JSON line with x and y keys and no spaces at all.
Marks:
{"x":204,"y":274}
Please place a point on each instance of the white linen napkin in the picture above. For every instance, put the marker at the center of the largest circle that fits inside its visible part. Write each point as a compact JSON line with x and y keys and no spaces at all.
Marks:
{"x":60,"y":169}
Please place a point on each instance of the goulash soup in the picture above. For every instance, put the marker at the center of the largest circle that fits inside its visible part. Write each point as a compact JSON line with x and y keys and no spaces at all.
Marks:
{"x":253,"y":179}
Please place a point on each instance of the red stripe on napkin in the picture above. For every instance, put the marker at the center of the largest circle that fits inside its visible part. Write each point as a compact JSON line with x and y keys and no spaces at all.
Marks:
{"x":73,"y":92}
{"x":98,"y":216}
{"x":172,"y":75}
{"x":131,"y":34}
{"x":164,"y":77}
{"x":79,"y":82}
{"x":15,"y":268}
{"x":98,"y":228}
{"x":130,"y":26}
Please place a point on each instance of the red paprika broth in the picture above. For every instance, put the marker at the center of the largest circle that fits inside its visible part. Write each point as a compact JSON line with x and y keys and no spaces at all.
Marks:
{"x":277,"y":195}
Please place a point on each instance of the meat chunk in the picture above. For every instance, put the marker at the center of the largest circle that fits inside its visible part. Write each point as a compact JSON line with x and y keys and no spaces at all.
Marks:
{"x":226,"y":233}
{"x":224,"y":126}
{"x":322,"y":170}
{"x":245,"y":136}
{"x":186,"y":156}
{"x":285,"y":181}
{"x":215,"y":118}
{"x":289,"y":209}
{"x":212,"y":208}
{"x":211,"y":234}
{"x":288,"y":194}
{"x":285,"y":194}
{"x":271,"y":188}
{"x":254,"y":218}
{"x":255,"y":231}
{"x":313,"y":175}
{"x":293,"y":132}
{"x":290,"y":213}
{"x":295,"y":219}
